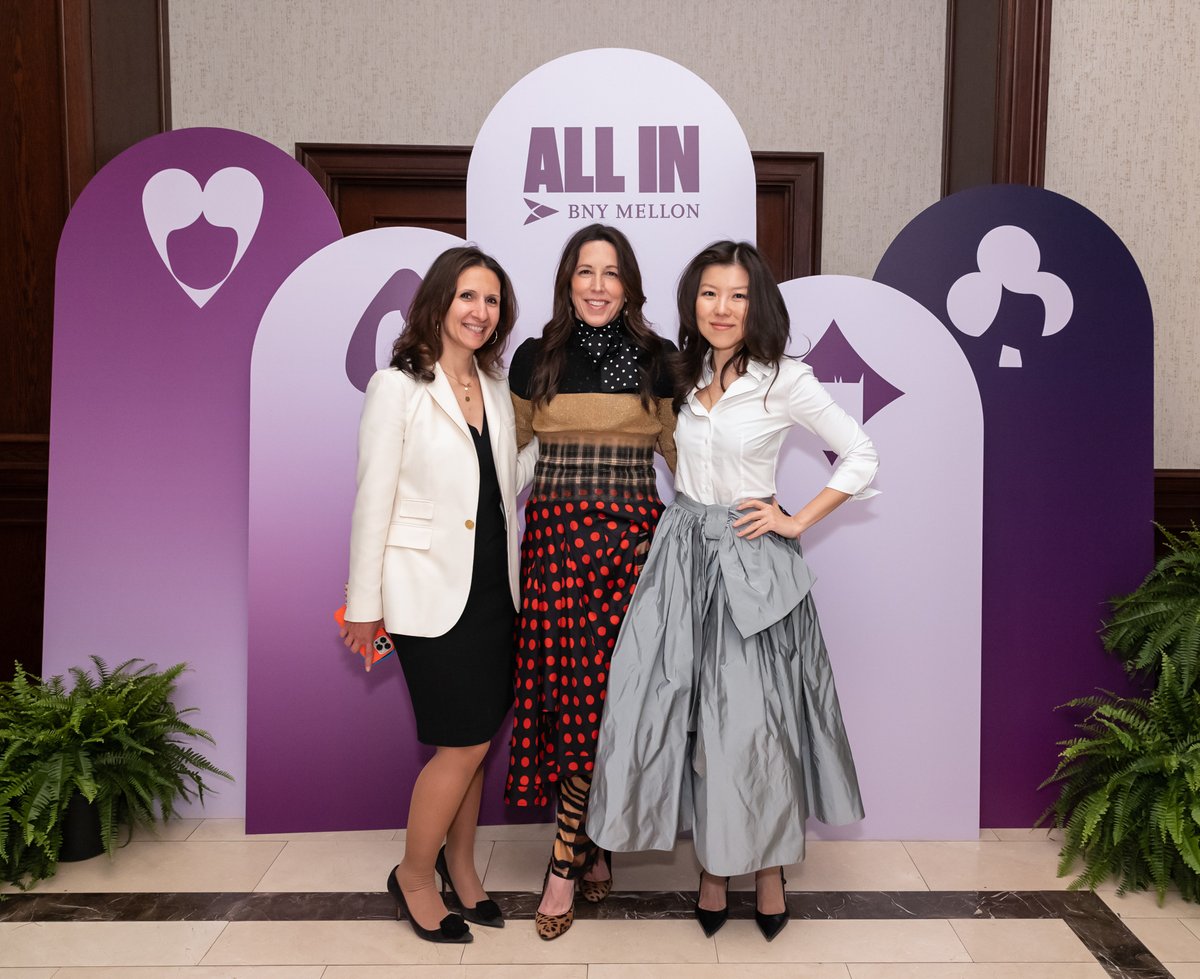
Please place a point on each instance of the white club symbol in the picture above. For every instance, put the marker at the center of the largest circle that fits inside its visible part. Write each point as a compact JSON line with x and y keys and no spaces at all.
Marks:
{"x":173,"y":199}
{"x":1008,"y":258}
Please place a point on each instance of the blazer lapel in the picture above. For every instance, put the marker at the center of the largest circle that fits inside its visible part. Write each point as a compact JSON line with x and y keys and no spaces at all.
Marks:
{"x":500,"y":433}
{"x":443,"y":394}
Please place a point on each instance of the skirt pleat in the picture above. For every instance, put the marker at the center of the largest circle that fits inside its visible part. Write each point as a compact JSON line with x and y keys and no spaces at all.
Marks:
{"x":736,"y":738}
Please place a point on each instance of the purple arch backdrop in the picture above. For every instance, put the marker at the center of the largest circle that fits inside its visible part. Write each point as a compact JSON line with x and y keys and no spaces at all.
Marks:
{"x":173,"y":253}
{"x":166,"y":263}
{"x":329,"y":746}
{"x":1053,"y":315}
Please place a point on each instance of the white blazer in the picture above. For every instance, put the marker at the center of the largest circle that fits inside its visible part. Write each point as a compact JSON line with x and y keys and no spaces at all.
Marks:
{"x":412,"y":533}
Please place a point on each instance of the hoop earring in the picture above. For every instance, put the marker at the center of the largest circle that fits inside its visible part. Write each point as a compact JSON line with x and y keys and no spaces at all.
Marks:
{"x":495,"y":337}
{"x":437,"y":329}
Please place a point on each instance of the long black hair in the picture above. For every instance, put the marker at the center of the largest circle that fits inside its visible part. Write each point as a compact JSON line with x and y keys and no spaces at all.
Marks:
{"x":767,"y":324}
{"x":552,"y":355}
{"x":419,"y":345}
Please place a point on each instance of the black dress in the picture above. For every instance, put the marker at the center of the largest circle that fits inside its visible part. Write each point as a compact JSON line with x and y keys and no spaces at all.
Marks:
{"x":461,"y":682}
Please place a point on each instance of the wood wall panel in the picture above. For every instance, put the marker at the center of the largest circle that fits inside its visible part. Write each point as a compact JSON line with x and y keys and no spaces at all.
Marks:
{"x":23,"y":542}
{"x":1024,"y":80}
{"x":79,"y":137}
{"x":1176,"y":501}
{"x":387,"y":186}
{"x":85,"y":79}
{"x":789,"y":212}
{"x":31,"y":186}
{"x":997,"y":78}
{"x":969,"y":113}
{"x":130,"y":81}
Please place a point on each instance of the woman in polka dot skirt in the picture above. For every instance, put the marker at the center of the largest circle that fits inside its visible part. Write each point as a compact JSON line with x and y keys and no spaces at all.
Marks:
{"x":596,"y":391}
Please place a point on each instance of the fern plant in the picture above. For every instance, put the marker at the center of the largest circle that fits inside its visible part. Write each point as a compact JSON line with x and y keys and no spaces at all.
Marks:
{"x":1129,"y":784}
{"x":114,"y":737}
{"x":1130,"y":800}
{"x":41,"y":767}
{"x":1163,"y":614}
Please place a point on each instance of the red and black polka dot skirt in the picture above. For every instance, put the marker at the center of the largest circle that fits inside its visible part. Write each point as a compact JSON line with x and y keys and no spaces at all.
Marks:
{"x":580,"y":557}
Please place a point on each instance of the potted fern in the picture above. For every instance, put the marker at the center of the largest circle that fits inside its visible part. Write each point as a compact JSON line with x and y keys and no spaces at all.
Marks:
{"x":1129,"y":801}
{"x":113,"y":743}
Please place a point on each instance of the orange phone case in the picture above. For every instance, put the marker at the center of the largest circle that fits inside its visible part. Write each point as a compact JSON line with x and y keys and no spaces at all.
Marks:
{"x":382,"y":647}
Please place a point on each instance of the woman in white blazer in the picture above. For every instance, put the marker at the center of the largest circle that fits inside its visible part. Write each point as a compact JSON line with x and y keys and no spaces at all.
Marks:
{"x":433,"y":558}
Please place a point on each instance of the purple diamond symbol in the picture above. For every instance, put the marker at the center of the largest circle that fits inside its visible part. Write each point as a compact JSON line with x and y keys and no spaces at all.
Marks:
{"x":835,"y":361}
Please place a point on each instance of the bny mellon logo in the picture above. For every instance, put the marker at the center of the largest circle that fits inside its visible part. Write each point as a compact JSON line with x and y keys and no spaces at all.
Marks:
{"x":583,"y":163}
{"x":538,"y":211}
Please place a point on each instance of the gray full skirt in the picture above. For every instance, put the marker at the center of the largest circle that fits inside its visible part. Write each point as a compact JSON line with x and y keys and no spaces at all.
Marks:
{"x":721,"y":715}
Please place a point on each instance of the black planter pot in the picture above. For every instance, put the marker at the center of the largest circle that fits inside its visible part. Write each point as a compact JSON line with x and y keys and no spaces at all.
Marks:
{"x":81,"y":831}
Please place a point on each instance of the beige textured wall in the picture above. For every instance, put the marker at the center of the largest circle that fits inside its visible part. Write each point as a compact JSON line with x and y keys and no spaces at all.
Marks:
{"x":859,"y":81}
{"x":1124,"y":139}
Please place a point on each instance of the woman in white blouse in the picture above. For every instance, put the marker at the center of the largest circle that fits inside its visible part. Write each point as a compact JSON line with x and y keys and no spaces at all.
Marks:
{"x":721,"y":714}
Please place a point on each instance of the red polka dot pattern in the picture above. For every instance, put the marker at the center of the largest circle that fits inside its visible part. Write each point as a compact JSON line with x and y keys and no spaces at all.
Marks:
{"x":577,"y":577}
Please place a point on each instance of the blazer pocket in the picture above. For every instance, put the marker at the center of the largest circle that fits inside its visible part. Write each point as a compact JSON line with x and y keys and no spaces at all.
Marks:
{"x":415,"y":509}
{"x":407,"y":535}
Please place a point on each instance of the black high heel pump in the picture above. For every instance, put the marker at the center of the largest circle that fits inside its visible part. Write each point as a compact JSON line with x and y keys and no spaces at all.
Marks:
{"x":772,"y":924}
{"x":450,"y":930}
{"x":484,"y":913}
{"x":711,"y":921}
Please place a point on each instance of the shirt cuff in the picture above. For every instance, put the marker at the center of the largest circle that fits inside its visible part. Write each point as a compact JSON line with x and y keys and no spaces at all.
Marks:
{"x":852,"y":486}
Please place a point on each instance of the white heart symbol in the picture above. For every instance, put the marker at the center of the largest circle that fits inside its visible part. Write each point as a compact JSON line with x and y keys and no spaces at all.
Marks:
{"x":174,"y":199}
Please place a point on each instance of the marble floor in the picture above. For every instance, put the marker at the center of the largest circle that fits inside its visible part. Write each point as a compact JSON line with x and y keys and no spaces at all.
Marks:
{"x":201,"y":899}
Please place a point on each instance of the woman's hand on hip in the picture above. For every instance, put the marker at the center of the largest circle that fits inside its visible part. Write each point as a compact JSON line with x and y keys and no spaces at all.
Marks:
{"x":356,"y":635}
{"x":762,"y":518}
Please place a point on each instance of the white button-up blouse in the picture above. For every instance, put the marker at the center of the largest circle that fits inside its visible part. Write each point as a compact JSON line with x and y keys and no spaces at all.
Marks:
{"x":730,"y":454}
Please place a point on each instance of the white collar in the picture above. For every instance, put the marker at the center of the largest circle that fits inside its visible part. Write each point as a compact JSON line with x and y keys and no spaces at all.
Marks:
{"x":756,"y":373}
{"x":754,"y":368}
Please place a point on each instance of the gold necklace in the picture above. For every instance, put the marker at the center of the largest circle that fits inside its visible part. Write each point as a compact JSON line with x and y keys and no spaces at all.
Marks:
{"x":466,"y":395}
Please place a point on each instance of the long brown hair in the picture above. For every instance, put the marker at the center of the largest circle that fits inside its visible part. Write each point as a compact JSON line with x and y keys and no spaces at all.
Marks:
{"x":419,"y":345}
{"x":552,"y":355}
{"x":767,"y":324}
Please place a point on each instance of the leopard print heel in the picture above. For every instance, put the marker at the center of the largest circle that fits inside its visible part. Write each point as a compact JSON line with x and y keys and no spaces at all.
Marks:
{"x":551,"y":926}
{"x":595,"y":891}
